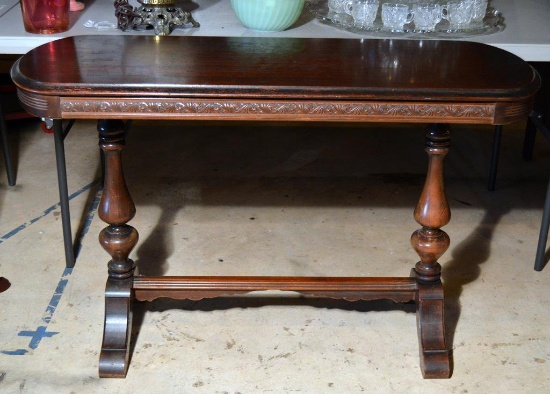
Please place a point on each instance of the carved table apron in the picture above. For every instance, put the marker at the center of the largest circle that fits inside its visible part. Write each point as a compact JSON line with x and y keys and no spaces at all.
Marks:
{"x":274,"y":79}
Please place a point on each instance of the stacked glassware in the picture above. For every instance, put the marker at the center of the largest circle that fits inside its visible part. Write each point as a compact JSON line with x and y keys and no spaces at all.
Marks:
{"x":409,"y":16}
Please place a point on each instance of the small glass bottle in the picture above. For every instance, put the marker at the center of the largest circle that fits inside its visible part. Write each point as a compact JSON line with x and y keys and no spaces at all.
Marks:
{"x":45,"y":16}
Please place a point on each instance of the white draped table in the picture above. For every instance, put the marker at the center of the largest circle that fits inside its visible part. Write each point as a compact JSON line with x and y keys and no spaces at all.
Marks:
{"x":526,"y":32}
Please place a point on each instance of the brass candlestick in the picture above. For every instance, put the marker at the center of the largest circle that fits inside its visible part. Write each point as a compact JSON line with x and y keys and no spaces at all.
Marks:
{"x":162,"y":15}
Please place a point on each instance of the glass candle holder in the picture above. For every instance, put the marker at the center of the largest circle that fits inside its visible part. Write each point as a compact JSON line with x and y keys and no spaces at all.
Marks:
{"x":45,"y":16}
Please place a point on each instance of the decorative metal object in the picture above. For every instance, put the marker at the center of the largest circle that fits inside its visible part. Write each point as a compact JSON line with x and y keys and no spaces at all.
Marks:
{"x":162,"y":15}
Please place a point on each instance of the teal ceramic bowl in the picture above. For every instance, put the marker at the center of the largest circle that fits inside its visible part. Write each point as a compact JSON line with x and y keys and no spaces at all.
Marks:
{"x":267,"y":15}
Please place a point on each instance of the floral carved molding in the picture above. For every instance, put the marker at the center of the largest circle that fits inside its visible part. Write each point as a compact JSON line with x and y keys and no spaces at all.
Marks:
{"x":273,"y":109}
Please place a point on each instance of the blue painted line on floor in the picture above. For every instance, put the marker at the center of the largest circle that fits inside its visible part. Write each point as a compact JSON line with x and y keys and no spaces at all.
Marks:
{"x":18,"y":352}
{"x":87,"y":223}
{"x":42,"y":332}
{"x":54,"y":302}
{"x":46,"y":212}
{"x":37,"y":335}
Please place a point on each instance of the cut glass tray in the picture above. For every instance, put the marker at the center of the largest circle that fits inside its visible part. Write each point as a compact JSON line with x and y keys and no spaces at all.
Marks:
{"x":492,"y":23}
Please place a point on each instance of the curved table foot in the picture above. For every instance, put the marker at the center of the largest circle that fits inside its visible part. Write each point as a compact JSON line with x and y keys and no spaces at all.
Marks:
{"x":115,"y":349}
{"x":435,"y":360}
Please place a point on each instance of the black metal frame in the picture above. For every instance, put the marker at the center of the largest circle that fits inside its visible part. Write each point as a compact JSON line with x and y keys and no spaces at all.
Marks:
{"x":534,"y":123}
{"x":59,"y":138}
{"x":6,"y":148}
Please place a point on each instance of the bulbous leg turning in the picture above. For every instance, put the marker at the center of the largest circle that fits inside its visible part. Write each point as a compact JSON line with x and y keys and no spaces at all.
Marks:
{"x":116,"y":208}
{"x":430,"y":243}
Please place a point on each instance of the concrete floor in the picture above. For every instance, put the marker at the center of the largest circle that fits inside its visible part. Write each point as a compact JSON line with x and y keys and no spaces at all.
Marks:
{"x":286,"y":200}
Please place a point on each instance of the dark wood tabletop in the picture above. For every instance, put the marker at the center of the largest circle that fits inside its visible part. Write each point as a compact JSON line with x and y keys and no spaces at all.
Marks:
{"x":424,"y":71}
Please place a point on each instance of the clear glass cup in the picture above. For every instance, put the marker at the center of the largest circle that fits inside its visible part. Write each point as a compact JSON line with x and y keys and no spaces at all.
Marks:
{"x":458,"y":13}
{"x":363,"y":11}
{"x":45,"y":16}
{"x":479,"y":11}
{"x":338,"y":9}
{"x":338,"y":6}
{"x":426,"y":16}
{"x":394,"y":16}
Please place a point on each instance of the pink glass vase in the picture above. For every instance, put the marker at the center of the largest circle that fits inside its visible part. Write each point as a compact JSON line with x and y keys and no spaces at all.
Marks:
{"x":45,"y":16}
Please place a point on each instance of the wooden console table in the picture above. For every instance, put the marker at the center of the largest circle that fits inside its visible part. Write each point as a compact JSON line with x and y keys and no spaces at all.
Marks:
{"x":277,"y":79}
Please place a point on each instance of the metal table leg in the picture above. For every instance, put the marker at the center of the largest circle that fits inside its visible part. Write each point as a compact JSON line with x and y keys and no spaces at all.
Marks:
{"x":6,"y":149}
{"x":494,"y":158}
{"x":543,"y":236}
{"x":59,"y":137}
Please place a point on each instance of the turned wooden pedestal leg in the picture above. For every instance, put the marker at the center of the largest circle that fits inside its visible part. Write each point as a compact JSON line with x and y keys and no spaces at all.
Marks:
{"x":118,"y":239}
{"x":430,"y":242}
